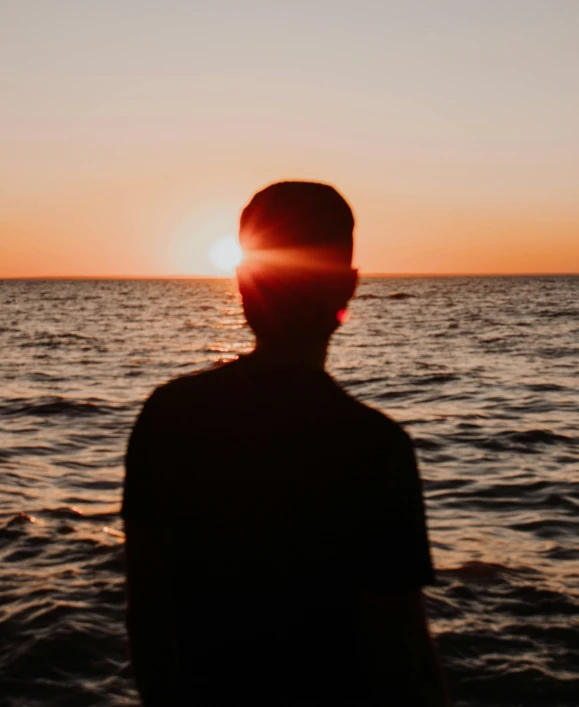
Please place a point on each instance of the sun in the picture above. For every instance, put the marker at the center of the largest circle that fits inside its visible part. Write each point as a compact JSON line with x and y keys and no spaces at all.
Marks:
{"x":225,"y":254}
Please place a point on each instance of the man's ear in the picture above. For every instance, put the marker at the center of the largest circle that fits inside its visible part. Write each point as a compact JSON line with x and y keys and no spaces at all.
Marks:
{"x":245,"y":280}
{"x":348,"y":283}
{"x":355,"y":279}
{"x":351,"y":282}
{"x":241,"y":275}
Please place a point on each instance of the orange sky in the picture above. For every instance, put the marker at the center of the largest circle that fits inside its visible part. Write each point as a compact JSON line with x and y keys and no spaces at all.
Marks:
{"x":132,"y":136}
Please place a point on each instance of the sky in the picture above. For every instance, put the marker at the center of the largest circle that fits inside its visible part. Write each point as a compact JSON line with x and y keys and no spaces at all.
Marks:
{"x":133,"y":132}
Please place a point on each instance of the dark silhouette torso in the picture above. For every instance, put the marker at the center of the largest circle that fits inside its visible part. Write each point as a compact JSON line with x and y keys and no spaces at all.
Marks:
{"x":279,"y":498}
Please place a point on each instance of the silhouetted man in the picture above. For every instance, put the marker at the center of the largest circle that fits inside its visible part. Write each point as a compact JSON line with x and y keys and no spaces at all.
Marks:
{"x":276,"y":542}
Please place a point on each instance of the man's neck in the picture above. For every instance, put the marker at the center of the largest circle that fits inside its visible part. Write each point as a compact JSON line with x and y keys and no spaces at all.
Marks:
{"x":311,"y":357}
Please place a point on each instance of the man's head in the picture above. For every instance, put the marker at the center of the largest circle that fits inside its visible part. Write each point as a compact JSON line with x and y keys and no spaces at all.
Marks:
{"x":296,"y":276}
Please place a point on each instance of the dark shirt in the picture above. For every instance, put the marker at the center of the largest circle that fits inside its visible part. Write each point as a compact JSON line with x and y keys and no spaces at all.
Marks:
{"x":279,"y":499}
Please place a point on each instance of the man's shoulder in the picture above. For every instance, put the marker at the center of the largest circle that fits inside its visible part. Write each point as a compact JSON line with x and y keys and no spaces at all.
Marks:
{"x":217,"y":374}
{"x":218,"y":380}
{"x":376,"y":422}
{"x":170,"y":397}
{"x":365,"y":424}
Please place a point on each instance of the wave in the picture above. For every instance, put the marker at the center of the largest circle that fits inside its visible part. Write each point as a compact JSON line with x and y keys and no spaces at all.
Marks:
{"x":15,"y":527}
{"x":557,"y":313}
{"x":6,"y":454}
{"x":65,"y":513}
{"x":426,"y":444}
{"x":435,"y":379}
{"x":390,"y":295}
{"x":545,"y":387}
{"x":401,"y":295}
{"x":538,"y":437}
{"x":487,"y":570}
{"x":54,"y":405}
{"x":524,"y":441}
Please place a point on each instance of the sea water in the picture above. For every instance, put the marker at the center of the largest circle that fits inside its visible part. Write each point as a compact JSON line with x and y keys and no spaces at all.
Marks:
{"x":482,"y":372}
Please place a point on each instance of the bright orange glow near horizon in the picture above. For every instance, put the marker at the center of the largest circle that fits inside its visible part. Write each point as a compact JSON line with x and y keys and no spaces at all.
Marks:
{"x":225,"y":254}
{"x":451,"y":131}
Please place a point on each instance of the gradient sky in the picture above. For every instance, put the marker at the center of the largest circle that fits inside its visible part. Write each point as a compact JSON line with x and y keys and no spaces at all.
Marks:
{"x":132,"y":132}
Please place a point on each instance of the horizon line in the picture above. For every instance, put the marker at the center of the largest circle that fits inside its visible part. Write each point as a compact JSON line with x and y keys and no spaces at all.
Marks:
{"x":232,"y":276}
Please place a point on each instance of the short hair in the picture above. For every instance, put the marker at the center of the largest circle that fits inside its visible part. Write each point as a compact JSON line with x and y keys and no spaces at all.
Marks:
{"x":299,"y":215}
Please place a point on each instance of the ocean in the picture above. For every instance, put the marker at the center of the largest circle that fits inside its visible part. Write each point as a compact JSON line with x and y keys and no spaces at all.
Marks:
{"x":483,"y":372}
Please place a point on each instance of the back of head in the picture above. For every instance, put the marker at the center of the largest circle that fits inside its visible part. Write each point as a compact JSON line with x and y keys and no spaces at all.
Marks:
{"x":296,"y":275}
{"x":308,"y":218}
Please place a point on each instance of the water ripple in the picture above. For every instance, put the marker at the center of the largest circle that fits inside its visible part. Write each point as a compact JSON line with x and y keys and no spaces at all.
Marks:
{"x":481,"y":371}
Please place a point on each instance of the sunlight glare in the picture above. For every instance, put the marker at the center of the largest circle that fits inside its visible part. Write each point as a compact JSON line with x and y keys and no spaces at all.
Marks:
{"x":225,"y":254}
